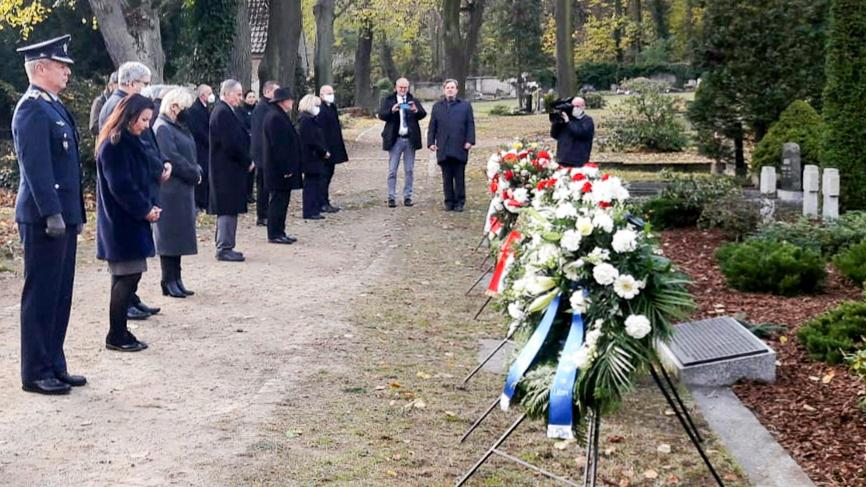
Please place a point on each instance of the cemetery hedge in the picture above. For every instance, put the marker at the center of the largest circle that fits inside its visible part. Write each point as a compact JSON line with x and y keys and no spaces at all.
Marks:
{"x":685,"y":197}
{"x":835,"y":333}
{"x":827,"y":239}
{"x":851,"y":262}
{"x":647,"y":120}
{"x":799,"y":123}
{"x":603,"y":74}
{"x":775,"y":267}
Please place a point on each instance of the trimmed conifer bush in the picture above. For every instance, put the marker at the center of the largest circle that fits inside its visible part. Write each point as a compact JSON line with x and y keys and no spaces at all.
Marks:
{"x":837,"y":332}
{"x":774,"y":267}
{"x":799,"y":123}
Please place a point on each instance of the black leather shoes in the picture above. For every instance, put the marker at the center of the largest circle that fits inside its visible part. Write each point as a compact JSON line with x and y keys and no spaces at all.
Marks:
{"x":281,"y":240}
{"x":230,"y":256}
{"x":291,"y":238}
{"x":170,"y":288}
{"x":314,"y":217}
{"x":72,"y":380}
{"x":392,"y":203}
{"x":183,"y":288}
{"x":408,"y":202}
{"x":133,"y":346}
{"x":134,"y":313}
{"x":147,"y":309}
{"x":330,"y":209}
{"x":50,"y":387}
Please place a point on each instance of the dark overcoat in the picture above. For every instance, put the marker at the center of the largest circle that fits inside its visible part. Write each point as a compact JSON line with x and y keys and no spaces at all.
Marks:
{"x":573,"y":140}
{"x":256,"y":120}
{"x":198,"y":121}
{"x":123,"y":201}
{"x":452,"y":125}
{"x":281,"y":152}
{"x":175,"y":231}
{"x":392,"y":121}
{"x":229,"y":161}
{"x":313,"y":147}
{"x":329,"y":120}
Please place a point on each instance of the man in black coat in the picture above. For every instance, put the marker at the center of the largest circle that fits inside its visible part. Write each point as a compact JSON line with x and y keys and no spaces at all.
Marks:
{"x":230,"y":166}
{"x":573,"y":132}
{"x":401,"y":136}
{"x":198,"y":121}
{"x":262,"y":108}
{"x":450,"y":135}
{"x":329,"y":120}
{"x":281,"y":163}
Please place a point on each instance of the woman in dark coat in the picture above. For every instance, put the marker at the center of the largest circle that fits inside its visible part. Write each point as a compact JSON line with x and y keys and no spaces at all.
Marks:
{"x":451,"y":134}
{"x":329,"y":120}
{"x":314,"y":156}
{"x":175,"y":231}
{"x":281,"y":163}
{"x":124,"y":211}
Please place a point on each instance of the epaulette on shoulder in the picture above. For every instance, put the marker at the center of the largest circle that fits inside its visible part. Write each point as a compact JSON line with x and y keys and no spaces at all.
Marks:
{"x":33,"y":94}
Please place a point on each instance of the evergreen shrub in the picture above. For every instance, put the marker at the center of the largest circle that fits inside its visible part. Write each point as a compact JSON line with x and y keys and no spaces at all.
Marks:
{"x":767,"y":266}
{"x":835,"y":333}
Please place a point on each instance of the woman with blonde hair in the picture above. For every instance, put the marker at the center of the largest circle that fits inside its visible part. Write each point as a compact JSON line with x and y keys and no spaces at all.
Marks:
{"x":175,"y":231}
{"x":314,"y":155}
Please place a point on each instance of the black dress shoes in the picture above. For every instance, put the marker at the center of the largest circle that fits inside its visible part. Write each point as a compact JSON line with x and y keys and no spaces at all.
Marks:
{"x":291,"y":238}
{"x":330,"y":209}
{"x":183,"y":288}
{"x":392,"y":203}
{"x":314,"y":217}
{"x":170,"y":288}
{"x":230,"y":256}
{"x":281,"y":240}
{"x":147,"y":309}
{"x":51,"y":387}
{"x":133,"y":313}
{"x":133,"y":346}
{"x":408,"y":202}
{"x":72,"y":380}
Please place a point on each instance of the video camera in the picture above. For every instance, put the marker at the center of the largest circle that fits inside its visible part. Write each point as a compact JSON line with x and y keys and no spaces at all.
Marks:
{"x":558,"y":107}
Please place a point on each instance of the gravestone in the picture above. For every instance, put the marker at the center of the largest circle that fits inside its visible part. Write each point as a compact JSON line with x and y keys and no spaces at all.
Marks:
{"x":768,"y":181}
{"x":811,"y":186}
{"x":717,"y":352}
{"x":791,"y":168}
{"x":830,"y":190}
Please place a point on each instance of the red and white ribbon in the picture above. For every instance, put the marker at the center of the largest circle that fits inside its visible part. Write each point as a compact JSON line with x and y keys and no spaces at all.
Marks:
{"x":506,"y":258}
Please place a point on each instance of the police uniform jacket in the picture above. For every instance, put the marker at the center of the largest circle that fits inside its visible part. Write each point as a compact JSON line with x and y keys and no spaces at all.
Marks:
{"x":123,"y":201}
{"x":452,"y":125}
{"x":313,"y":147}
{"x":573,"y":140}
{"x":229,"y":161}
{"x":392,"y":122}
{"x":281,"y":152}
{"x":174,"y":232}
{"x":329,"y":120}
{"x":46,"y":143}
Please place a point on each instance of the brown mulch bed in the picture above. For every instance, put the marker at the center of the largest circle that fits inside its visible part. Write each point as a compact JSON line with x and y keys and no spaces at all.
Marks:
{"x":811,"y":409}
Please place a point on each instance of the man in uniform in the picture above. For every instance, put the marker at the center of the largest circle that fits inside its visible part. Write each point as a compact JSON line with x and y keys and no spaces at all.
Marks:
{"x":49,"y":212}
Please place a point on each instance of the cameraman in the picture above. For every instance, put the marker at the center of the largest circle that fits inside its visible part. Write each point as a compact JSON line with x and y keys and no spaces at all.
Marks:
{"x":573,"y":130}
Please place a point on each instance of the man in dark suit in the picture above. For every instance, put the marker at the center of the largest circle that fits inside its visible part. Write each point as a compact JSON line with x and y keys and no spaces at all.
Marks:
{"x":450,"y":135}
{"x":401,"y":137}
{"x":281,"y":163}
{"x":329,"y":120}
{"x":573,"y":131}
{"x":49,"y":211}
{"x":230,"y":166}
{"x":262,"y":108}
{"x":198,"y":121}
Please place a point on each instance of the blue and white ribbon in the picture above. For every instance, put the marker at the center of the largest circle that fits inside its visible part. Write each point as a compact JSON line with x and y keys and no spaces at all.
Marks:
{"x":528,"y":354}
{"x":561,"y":411}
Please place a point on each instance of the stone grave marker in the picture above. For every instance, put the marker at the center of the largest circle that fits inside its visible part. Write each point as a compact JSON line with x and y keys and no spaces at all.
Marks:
{"x":811,"y":187}
{"x":830,"y":190}
{"x":791,"y":168}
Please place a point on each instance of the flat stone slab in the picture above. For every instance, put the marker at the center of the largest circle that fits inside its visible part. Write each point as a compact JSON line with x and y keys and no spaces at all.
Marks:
{"x":765,"y":462}
{"x":498,"y":363}
{"x":717,"y":352}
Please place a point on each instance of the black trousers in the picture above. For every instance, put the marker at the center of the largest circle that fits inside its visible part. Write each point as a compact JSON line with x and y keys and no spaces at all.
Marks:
{"x":49,"y":272}
{"x":312,"y":195}
{"x":278,"y":206}
{"x":122,"y":289}
{"x":202,"y":193}
{"x":170,"y":265}
{"x":326,"y":183}
{"x":261,"y":195}
{"x":454,"y":182}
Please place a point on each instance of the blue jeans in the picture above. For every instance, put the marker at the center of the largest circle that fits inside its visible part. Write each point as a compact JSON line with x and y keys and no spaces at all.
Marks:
{"x":401,"y":146}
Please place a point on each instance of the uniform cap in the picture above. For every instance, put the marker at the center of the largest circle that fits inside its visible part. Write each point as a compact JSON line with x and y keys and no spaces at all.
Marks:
{"x":56,"y":49}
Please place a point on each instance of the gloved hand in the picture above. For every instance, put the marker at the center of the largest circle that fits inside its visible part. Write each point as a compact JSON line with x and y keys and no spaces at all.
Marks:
{"x":55,"y":227}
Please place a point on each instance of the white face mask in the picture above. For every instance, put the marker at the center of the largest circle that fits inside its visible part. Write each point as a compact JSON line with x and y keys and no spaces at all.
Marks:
{"x":315,"y":111}
{"x":329,"y":98}
{"x":577,"y":112}
{"x":211,"y":98}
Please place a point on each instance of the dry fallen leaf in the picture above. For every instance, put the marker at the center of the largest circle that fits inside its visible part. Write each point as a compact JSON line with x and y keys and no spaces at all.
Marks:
{"x":828,"y":377}
{"x":809,"y":408}
{"x":615,"y":439}
{"x":395,"y":385}
{"x":783,"y":339}
{"x":423,"y":375}
{"x":391,"y":473}
{"x":419,"y":404}
{"x":651,"y":474}
{"x":664,"y":448}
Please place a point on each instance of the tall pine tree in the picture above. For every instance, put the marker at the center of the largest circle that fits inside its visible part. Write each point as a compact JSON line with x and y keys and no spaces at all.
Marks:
{"x":845,"y":100}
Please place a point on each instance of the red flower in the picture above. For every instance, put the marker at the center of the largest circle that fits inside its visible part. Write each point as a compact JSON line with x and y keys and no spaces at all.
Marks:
{"x":578,"y":177}
{"x":540,"y":185}
{"x":494,"y":186}
{"x":587,"y":187}
{"x":605,"y":177}
{"x":604,"y":204}
{"x":591,"y":164}
{"x":508,"y":174}
{"x":544,"y":155}
{"x":509,"y":157}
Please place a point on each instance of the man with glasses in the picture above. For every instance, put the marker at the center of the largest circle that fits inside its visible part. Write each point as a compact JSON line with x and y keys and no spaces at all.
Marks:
{"x":132,"y":77}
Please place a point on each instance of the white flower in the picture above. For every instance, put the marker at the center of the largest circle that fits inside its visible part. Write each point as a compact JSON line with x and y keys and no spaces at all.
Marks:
{"x":524,"y":173}
{"x":603,"y":220}
{"x":566,"y":210}
{"x":547,"y":253}
{"x":584,"y":226}
{"x":605,"y":274}
{"x":580,"y":358}
{"x":497,"y":204}
{"x":624,"y":241}
{"x":637,"y":326}
{"x":515,"y":310}
{"x":570,"y":240}
{"x":492,"y":166}
{"x":598,"y":255}
{"x":572,"y":269}
{"x":579,"y":302}
{"x":626,"y":287}
{"x":538,"y":284}
{"x":520,"y":195}
{"x":592,"y":336}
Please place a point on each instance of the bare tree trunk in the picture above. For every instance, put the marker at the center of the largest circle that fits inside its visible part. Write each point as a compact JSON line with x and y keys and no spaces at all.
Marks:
{"x":565,"y":75}
{"x":460,"y":48}
{"x":659,"y":11}
{"x":363,"y":92}
{"x":324,"y":11}
{"x":637,"y":17}
{"x":437,"y":45}
{"x":386,"y":56}
{"x":617,"y":31}
{"x":131,"y":32}
{"x":284,"y":34}
{"x":240,"y":62}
